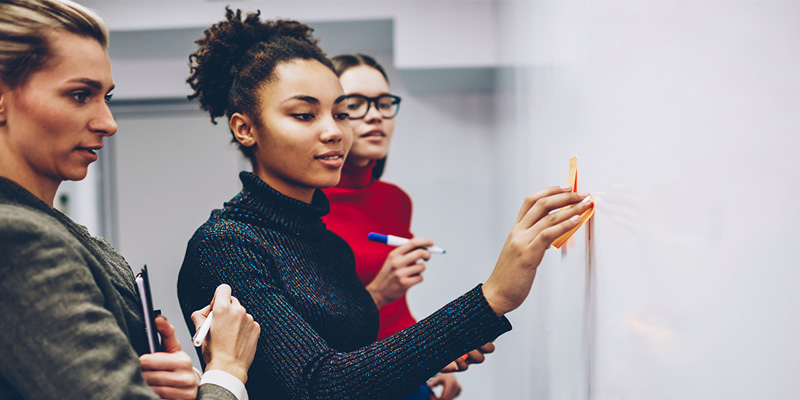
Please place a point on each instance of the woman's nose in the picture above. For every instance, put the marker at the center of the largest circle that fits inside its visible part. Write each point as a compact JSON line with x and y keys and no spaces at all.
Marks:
{"x":332,"y":132}
{"x":104,"y":122}
{"x":373,"y":114}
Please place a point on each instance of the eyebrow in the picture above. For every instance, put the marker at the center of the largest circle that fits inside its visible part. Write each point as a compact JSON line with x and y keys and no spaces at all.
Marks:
{"x":307,"y":99}
{"x":91,"y":82}
{"x":313,"y":100}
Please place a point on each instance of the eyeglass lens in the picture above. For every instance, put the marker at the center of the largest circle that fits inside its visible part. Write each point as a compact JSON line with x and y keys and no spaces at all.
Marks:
{"x":387,"y":105}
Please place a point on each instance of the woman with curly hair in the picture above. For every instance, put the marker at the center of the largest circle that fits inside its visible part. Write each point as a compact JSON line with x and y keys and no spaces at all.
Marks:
{"x":288,"y":113}
{"x":73,"y":327}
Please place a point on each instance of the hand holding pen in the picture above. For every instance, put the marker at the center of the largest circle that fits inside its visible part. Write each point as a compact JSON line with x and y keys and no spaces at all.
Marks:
{"x":401,"y":270}
{"x":232,"y":336}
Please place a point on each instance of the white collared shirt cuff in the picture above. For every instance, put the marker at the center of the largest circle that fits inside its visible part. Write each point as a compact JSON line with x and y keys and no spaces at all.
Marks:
{"x":227,"y":381}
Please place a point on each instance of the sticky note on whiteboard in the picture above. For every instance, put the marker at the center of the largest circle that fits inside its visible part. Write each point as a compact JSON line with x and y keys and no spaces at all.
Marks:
{"x":573,"y":180}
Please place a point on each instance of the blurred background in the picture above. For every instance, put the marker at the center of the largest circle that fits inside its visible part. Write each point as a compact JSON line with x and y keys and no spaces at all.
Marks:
{"x":684,"y":116}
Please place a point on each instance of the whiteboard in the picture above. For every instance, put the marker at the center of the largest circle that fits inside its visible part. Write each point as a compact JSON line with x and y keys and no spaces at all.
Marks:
{"x":685,"y":118}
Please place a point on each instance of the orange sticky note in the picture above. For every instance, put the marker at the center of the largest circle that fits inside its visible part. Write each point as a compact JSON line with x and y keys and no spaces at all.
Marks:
{"x":573,"y":180}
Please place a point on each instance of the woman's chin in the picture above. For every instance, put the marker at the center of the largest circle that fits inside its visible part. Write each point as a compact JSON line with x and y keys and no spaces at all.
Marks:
{"x":77,"y":175}
{"x":329,"y":183}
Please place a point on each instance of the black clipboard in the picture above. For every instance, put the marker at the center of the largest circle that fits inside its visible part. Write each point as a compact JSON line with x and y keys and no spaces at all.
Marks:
{"x":150,"y":331}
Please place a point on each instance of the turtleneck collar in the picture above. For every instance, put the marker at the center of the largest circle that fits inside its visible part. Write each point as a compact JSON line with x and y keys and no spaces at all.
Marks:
{"x":259,"y":201}
{"x":356,"y":177}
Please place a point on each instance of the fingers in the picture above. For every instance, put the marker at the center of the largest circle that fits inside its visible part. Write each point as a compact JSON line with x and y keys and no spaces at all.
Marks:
{"x":416,"y":242}
{"x":415,"y":249}
{"x":544,"y":206}
{"x":532,"y":199}
{"x":409,"y":257}
{"x":167,"y":331}
{"x":199,"y":316}
{"x":222,"y":299}
{"x":461,"y":363}
{"x":221,"y":295}
{"x":411,"y":271}
{"x":487,"y":348}
{"x":166,"y":362}
{"x":475,"y":357}
{"x":452,"y":367}
{"x":170,"y":393}
{"x":170,"y":375}
{"x":559,"y":223}
{"x":450,"y":386}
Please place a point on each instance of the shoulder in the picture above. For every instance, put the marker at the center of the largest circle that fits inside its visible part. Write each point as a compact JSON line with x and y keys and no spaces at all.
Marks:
{"x":227,"y":241}
{"x":391,"y":189}
{"x":393,"y":196}
{"x":219,"y":228}
{"x":21,"y":226}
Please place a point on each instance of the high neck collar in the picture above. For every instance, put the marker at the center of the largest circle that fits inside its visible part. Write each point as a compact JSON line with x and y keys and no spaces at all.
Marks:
{"x":356,"y":177}
{"x":13,"y":193}
{"x":261,"y":202}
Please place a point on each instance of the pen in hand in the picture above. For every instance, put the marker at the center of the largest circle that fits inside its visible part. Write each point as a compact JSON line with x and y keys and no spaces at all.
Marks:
{"x":398,"y":241}
{"x":201,"y":333}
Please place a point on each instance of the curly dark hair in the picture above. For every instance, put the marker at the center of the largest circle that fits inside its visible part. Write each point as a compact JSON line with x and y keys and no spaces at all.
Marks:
{"x":236,"y":57}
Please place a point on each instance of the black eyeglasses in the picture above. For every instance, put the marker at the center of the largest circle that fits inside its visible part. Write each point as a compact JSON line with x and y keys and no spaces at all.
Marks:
{"x":358,"y":106}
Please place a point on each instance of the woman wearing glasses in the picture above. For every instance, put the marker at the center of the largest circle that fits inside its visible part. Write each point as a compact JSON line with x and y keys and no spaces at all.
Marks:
{"x":288,"y":113}
{"x":360,"y":201}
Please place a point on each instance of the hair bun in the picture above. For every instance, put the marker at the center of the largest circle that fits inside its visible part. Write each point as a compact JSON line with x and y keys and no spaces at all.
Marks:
{"x":219,"y":58}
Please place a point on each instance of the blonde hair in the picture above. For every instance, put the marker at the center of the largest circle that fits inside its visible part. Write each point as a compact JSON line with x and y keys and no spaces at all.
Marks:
{"x":24,"y":29}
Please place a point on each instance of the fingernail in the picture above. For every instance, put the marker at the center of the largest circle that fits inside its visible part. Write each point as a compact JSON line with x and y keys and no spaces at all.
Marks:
{"x":575,"y":218}
{"x":566,"y":187}
{"x":586,"y":200}
{"x":583,"y":194}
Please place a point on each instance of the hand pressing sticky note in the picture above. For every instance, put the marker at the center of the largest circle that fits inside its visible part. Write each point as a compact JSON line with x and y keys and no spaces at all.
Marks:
{"x":573,"y":180}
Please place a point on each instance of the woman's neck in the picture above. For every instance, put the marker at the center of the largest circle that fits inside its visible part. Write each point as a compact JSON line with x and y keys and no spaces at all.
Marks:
{"x":44,"y":189}
{"x":358,"y":162}
{"x":304,"y":194}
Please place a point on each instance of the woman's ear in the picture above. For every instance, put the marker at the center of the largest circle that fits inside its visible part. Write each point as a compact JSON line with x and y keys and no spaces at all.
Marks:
{"x":2,"y":111}
{"x":243,"y":130}
{"x":4,"y":93}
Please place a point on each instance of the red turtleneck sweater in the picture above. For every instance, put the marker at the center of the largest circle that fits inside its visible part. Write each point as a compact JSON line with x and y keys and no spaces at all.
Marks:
{"x":361,"y":204}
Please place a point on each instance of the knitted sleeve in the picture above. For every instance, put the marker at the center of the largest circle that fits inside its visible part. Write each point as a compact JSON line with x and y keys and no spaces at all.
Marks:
{"x":299,"y":358}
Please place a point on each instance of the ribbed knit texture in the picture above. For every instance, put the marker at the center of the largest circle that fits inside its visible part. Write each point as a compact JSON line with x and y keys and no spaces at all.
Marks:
{"x":318,"y":323}
{"x":361,"y":204}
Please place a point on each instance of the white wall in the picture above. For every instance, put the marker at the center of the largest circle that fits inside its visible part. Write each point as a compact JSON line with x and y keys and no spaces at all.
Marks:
{"x":684,"y":117}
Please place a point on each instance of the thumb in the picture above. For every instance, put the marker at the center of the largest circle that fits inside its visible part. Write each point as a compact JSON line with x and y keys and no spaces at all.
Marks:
{"x":167,"y":331}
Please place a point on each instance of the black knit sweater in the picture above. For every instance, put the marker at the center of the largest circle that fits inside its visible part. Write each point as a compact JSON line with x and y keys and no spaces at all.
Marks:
{"x":318,"y":322}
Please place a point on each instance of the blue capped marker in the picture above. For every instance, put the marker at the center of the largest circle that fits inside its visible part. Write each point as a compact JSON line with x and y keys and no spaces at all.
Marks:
{"x":392,"y":240}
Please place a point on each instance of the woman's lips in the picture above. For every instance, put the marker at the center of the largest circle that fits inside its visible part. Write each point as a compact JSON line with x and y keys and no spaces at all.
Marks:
{"x":376,"y":133}
{"x":374,"y":136}
{"x":333,"y":159}
{"x":88,"y":152}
